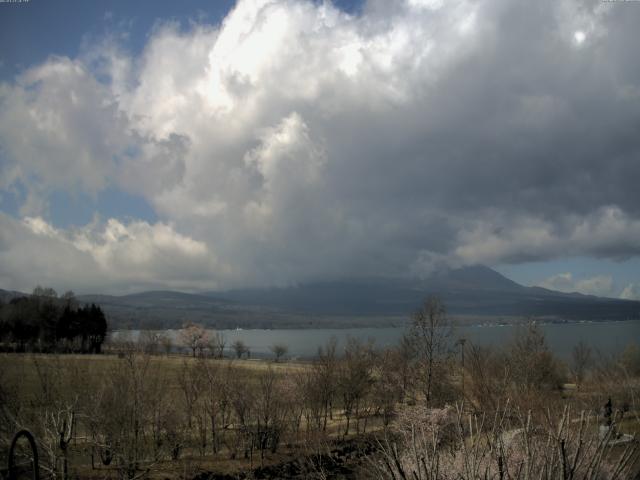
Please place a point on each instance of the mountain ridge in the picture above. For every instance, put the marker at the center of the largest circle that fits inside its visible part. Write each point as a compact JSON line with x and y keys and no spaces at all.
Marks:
{"x":473,"y":291}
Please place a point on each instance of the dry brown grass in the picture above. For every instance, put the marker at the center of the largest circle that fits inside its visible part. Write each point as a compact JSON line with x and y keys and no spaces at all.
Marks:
{"x":22,"y":366}
{"x":24,"y":372}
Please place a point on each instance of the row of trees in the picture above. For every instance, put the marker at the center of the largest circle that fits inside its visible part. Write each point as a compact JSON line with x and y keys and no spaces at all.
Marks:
{"x":193,"y":338}
{"x":44,"y":322}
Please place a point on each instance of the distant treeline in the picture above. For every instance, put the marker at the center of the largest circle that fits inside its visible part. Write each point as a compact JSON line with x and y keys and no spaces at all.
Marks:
{"x":44,"y":322}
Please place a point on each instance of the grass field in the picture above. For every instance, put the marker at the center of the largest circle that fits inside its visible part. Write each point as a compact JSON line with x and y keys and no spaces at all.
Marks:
{"x":29,"y":379}
{"x":23,"y":365}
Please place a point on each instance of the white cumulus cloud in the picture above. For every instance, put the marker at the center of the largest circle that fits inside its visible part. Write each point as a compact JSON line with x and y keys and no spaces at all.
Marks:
{"x":599,"y":285}
{"x":111,"y":256}
{"x":631,"y":292}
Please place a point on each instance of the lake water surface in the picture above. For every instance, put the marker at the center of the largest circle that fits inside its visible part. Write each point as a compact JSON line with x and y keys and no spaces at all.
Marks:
{"x":605,"y":337}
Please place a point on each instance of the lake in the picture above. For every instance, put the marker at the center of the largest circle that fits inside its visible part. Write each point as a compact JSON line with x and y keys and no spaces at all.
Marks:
{"x":605,"y":337}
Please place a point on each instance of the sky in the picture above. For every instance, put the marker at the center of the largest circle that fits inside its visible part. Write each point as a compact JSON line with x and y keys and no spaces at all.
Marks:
{"x":201,"y":145}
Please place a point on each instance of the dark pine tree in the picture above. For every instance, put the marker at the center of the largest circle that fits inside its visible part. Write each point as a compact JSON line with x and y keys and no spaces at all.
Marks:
{"x":96,"y":328}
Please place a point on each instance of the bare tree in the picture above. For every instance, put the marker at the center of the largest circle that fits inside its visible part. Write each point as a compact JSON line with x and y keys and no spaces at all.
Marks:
{"x":388,"y":385}
{"x":489,"y":378}
{"x":149,"y":342}
{"x":240,"y":348}
{"x":534,"y":366}
{"x":580,"y":361}
{"x":270,"y":410}
{"x":216,"y":399}
{"x":279,"y":350}
{"x":160,"y":410}
{"x":429,"y":334}
{"x":630,"y":359}
{"x":190,"y":380}
{"x":166,"y":343}
{"x":402,"y":357}
{"x":69,"y":300}
{"x":44,"y":292}
{"x":120,"y":415}
{"x":325,"y":377}
{"x":242,"y":401}
{"x":355,"y":379}
{"x":217,"y":344}
{"x":57,"y":419}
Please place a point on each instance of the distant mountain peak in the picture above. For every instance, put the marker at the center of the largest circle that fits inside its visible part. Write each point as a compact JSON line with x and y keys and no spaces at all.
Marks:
{"x":474,"y":290}
{"x":474,"y":276}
